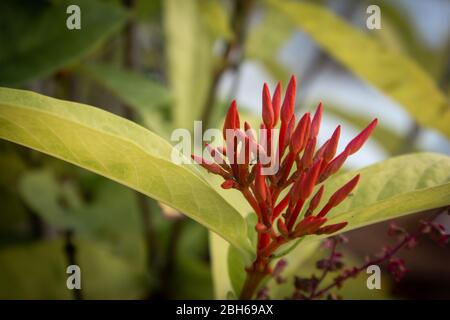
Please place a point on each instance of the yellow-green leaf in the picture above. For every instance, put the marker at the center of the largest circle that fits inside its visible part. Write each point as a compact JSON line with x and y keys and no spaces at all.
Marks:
{"x":119,"y":150}
{"x":389,"y":189}
{"x":189,"y":57}
{"x":134,"y":89}
{"x":395,"y":75}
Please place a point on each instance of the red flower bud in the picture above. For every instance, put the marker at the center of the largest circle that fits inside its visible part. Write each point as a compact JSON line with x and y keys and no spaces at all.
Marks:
{"x":211,"y":167}
{"x":289,"y":131}
{"x":339,"y":195}
{"x":315,"y":124}
{"x":281,"y":206}
{"x":261,"y":228}
{"x":320,"y":152}
{"x":296,"y":189}
{"x":276,"y":103}
{"x":332,"y":228}
{"x":331,"y":148}
{"x":231,"y":120}
{"x":307,"y":157}
{"x":314,"y":202}
{"x":308,"y":225}
{"x":362,"y":137}
{"x":248,"y":130}
{"x":260,"y":184}
{"x":287,"y":109}
{"x":334,"y":165}
{"x":310,"y":180}
{"x":300,"y":135}
{"x":228,"y":184}
{"x":267,"y":110}
{"x":282,"y":228}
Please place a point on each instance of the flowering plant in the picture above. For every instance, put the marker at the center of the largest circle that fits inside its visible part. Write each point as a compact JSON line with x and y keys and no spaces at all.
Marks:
{"x":303,"y":169}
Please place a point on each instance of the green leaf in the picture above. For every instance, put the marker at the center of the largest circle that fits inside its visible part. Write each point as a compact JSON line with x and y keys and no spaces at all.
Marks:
{"x":38,"y":271}
{"x":265,"y":41}
{"x":147,"y":97}
{"x":119,"y":150}
{"x":395,"y":75}
{"x":387,"y":138}
{"x":101,"y":219}
{"x":218,"y":250}
{"x":190,"y":60}
{"x":50,"y":200}
{"x":390,"y":189}
{"x":38,"y":41}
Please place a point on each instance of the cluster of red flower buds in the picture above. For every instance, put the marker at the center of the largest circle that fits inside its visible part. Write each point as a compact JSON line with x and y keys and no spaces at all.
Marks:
{"x":301,"y":168}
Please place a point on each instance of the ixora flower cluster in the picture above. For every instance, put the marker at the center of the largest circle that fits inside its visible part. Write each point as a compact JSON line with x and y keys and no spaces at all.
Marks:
{"x":279,"y":198}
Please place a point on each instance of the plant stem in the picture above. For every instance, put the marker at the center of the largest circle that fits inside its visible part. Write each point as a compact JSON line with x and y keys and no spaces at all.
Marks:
{"x":390,"y":253}
{"x":70,"y":251}
{"x":251,"y":284}
{"x":239,"y":21}
{"x":259,"y":269}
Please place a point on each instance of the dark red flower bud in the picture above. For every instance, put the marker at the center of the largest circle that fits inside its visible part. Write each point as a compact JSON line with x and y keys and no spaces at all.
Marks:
{"x":315,"y":123}
{"x":296,"y":189}
{"x":267,"y":109}
{"x":287,"y":109}
{"x":339,"y":196}
{"x":310,"y":180}
{"x":232,"y":121}
{"x":260,"y":184}
{"x":282,"y":228}
{"x":289,"y":131}
{"x":281,"y":206}
{"x":228,"y":184}
{"x":300,"y":135}
{"x":308,"y":225}
{"x":331,"y":148}
{"x":261,"y":228}
{"x":332,"y":228}
{"x":314,"y":202}
{"x":276,"y":103}
{"x":362,"y":137}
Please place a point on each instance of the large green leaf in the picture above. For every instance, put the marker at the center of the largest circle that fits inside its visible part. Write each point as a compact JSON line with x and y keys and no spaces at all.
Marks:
{"x":386,"y":137}
{"x":389,"y":189}
{"x":144,"y":95}
{"x":265,"y":41}
{"x":395,"y":75}
{"x":189,"y":56}
{"x":35,"y":39}
{"x":120,"y":150}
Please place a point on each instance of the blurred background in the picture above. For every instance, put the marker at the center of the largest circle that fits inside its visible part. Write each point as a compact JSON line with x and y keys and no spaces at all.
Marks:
{"x":166,"y":63}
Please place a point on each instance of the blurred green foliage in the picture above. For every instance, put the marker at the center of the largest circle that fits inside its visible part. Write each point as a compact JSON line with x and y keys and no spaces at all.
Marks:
{"x":160,"y":63}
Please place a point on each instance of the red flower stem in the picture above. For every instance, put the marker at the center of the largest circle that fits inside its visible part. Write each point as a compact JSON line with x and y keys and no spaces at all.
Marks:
{"x":281,"y":141}
{"x":280,"y":207}
{"x":251,"y":200}
{"x":260,"y":268}
{"x":292,"y":218}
